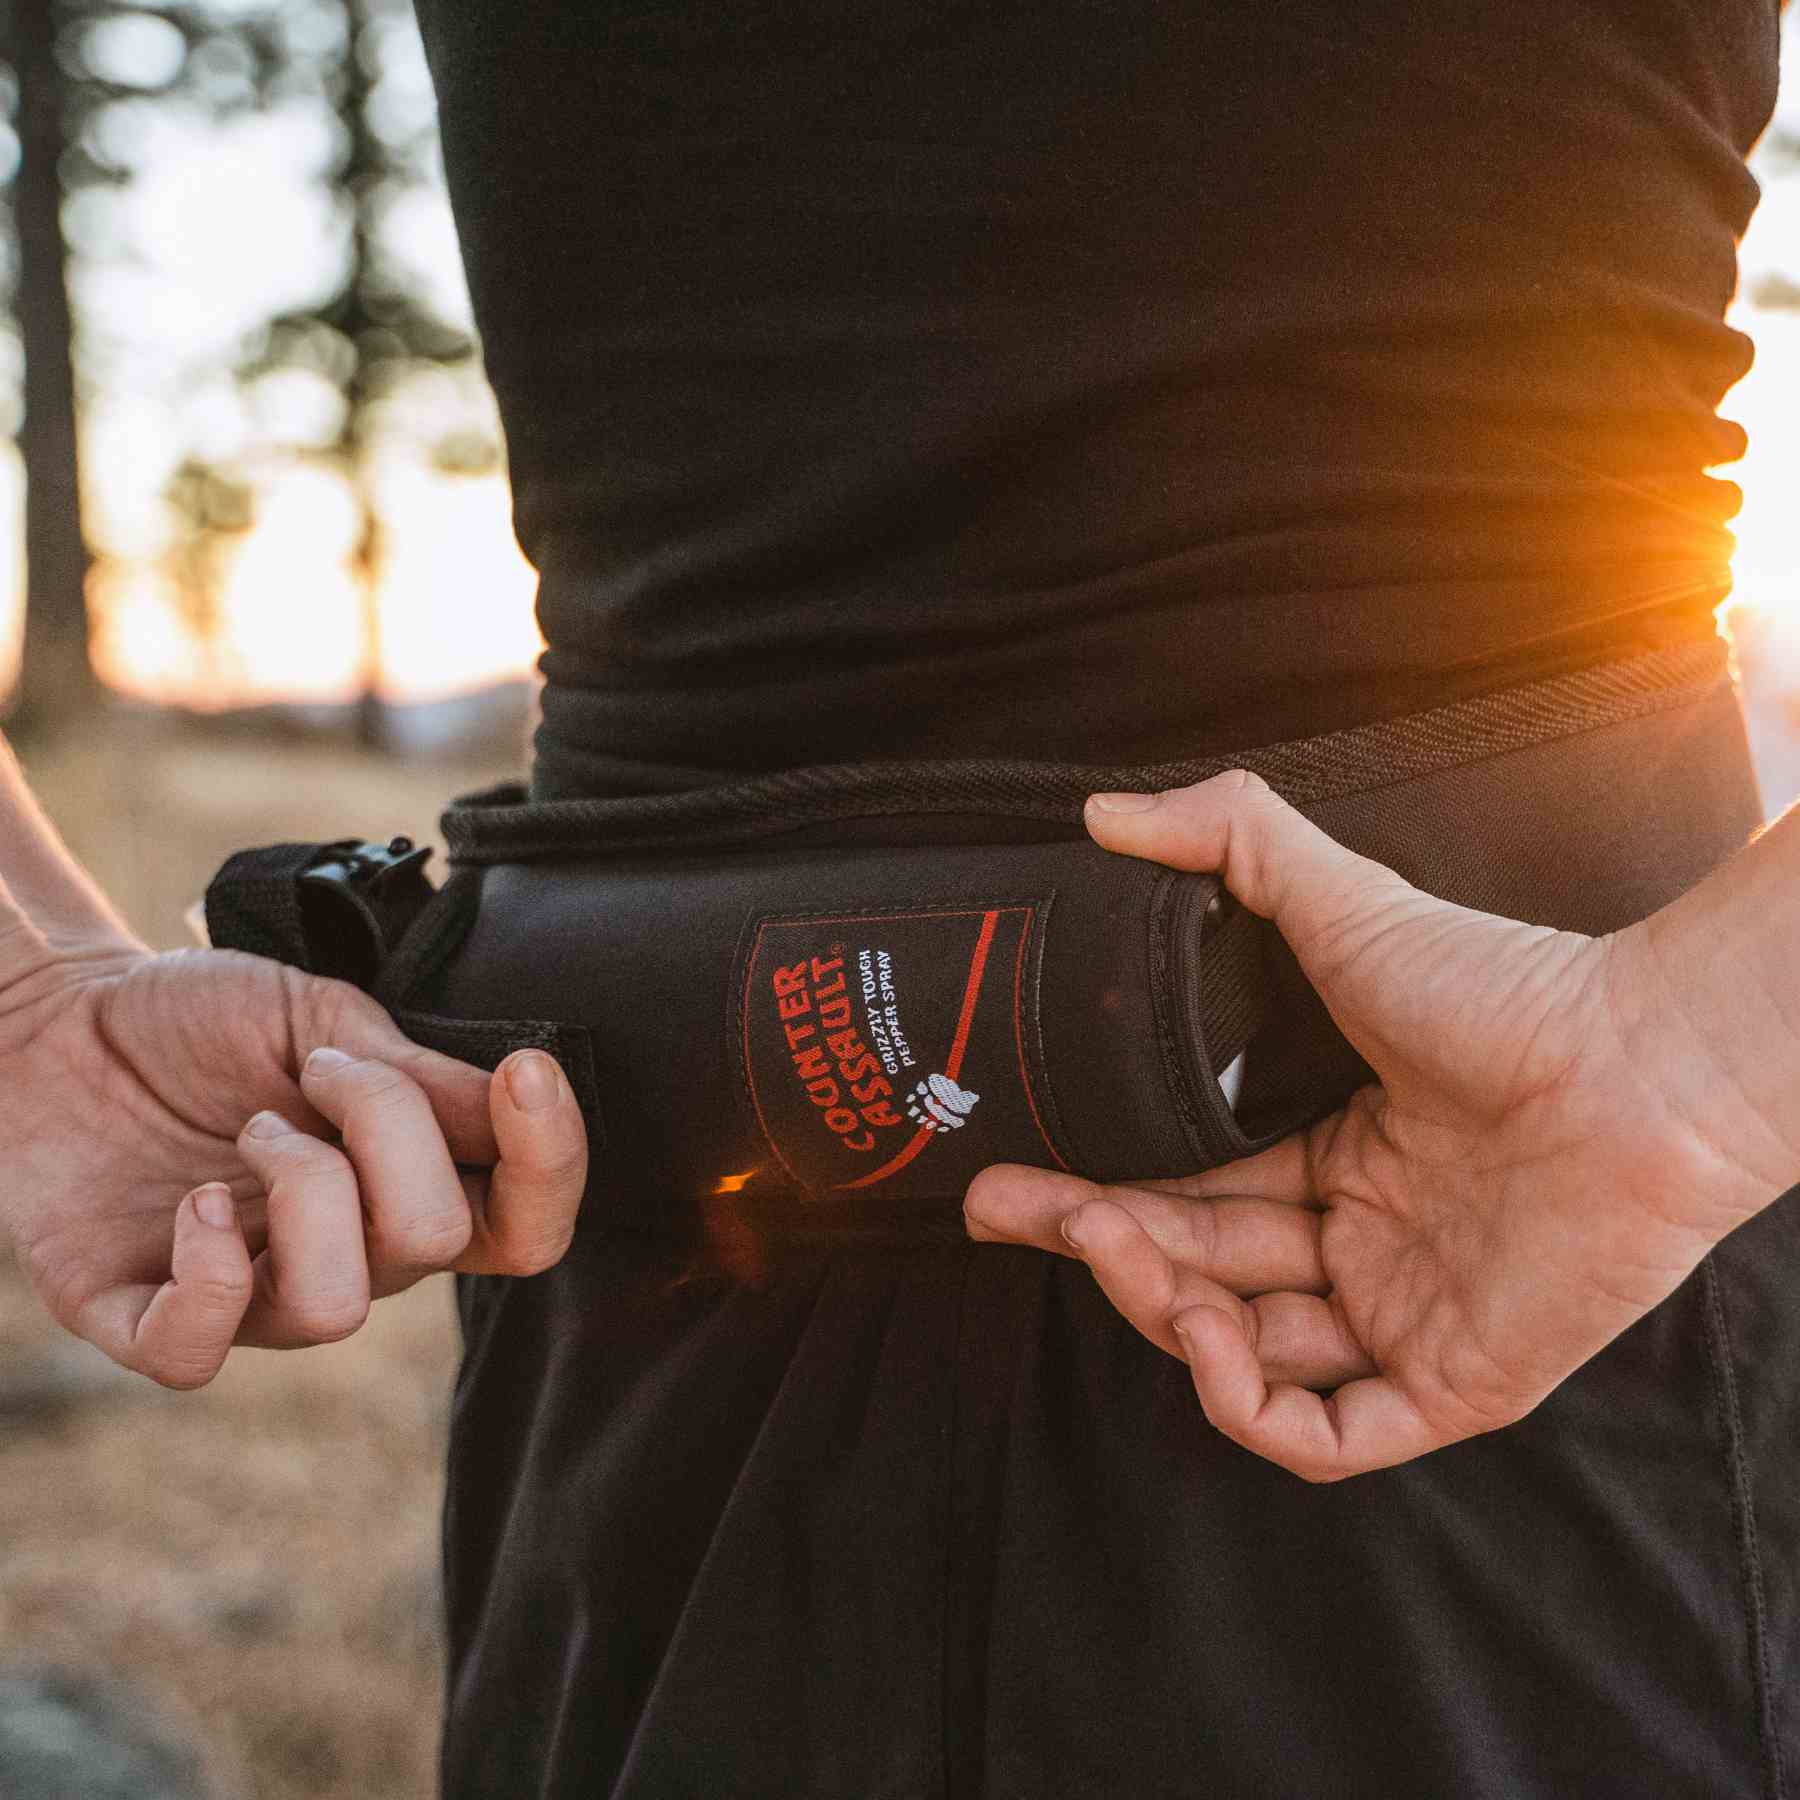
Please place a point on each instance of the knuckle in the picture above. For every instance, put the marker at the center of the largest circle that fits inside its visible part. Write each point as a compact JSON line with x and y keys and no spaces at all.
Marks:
{"x":435,"y":1240}
{"x":213,"y":1295}
{"x":376,"y":1093}
{"x":562,"y":1168}
{"x":537,"y":1255}
{"x":61,"y":1278}
{"x":296,"y":1156}
{"x":310,"y":1160}
{"x":979,"y":1208}
{"x":1203,"y":1234}
{"x":328,"y":1319}
{"x":1251,"y":1320}
{"x":1253,"y":869}
{"x":1266,"y":812}
{"x":323,"y":1006}
{"x":180,"y":1377}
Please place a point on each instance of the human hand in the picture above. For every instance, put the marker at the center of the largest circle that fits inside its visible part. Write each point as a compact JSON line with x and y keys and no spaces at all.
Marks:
{"x":205,"y":1149}
{"x":1433,"y":1259}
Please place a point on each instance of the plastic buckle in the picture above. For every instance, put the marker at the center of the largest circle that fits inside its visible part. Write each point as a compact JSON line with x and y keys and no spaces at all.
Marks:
{"x":358,"y":864}
{"x":356,"y":900}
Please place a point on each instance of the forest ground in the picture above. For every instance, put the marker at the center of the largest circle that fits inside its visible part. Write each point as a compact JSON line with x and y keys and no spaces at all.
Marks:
{"x":259,"y":1558}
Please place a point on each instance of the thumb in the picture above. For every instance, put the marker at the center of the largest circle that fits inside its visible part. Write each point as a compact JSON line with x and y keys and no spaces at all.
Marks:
{"x":1324,"y":899}
{"x":526,"y":1217}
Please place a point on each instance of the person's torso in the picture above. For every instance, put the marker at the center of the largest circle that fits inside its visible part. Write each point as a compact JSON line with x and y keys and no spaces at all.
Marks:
{"x":1095,"y":382}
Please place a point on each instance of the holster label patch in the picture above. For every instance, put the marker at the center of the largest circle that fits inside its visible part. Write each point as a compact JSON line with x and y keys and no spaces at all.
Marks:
{"x":889,"y":1049}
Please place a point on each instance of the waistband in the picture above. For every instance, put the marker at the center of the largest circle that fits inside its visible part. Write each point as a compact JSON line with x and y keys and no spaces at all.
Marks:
{"x":500,"y":824}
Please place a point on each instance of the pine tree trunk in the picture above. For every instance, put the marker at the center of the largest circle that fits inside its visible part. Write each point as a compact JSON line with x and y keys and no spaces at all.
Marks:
{"x":362,"y":179}
{"x":56,"y":681}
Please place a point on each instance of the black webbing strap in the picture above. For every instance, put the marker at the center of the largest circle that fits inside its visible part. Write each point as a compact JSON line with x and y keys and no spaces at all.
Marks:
{"x":365,"y":913}
{"x":253,"y":903}
{"x":487,"y":1043}
{"x":503,"y":824}
{"x":333,"y":909}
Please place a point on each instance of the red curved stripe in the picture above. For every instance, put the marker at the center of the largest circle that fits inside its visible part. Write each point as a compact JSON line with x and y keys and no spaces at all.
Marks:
{"x":952,"y":1063}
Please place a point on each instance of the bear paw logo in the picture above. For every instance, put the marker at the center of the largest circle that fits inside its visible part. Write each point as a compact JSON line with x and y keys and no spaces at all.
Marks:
{"x":940,"y":1104}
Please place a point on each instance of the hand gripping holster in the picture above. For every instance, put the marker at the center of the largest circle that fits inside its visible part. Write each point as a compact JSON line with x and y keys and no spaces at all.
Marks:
{"x":825,"y":999}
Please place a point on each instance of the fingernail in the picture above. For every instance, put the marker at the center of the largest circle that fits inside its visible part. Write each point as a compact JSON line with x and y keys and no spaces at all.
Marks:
{"x":1122,"y":803}
{"x":213,"y":1204}
{"x":534,"y":1081}
{"x":1072,"y":1231}
{"x":323,"y":1061}
{"x":268,"y":1125}
{"x":1183,"y":1326}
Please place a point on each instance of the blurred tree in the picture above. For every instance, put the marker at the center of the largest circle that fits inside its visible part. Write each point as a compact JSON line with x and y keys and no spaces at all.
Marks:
{"x":388,"y":330}
{"x":56,"y":682}
{"x":1780,"y":154}
{"x":110,"y":82}
{"x":213,"y":511}
{"x":376,"y":330}
{"x":1776,"y":293}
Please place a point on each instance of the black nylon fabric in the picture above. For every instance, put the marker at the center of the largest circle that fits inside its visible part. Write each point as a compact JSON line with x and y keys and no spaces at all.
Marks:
{"x":487,"y":1043}
{"x":340,"y":908}
{"x":652,"y":960}
{"x":253,"y":903}
{"x":1101,"y":383}
{"x":640,"y":949}
{"x":1113,"y":387}
{"x":257,"y":904}
{"x":502,"y":825}
{"x":934,"y":1522}
{"x":795,"y":1514}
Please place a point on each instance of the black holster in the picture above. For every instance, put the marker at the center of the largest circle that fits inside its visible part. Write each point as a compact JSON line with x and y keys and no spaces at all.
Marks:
{"x":827,"y":998}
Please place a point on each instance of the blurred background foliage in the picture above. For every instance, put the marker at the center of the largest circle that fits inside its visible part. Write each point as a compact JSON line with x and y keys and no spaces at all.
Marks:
{"x":250,"y":462}
{"x":234,"y":339}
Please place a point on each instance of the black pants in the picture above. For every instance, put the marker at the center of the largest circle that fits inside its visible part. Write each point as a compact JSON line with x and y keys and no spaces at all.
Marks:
{"x":931,"y":1521}
{"x":898,"y":1523}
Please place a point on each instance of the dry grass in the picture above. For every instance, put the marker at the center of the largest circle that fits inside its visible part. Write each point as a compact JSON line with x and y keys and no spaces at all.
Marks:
{"x":261,"y":1556}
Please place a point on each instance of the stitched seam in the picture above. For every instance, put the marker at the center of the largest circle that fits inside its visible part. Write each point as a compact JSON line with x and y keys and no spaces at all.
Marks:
{"x":1061,"y":1140}
{"x":1161,"y":1003}
{"x":1718,"y":1346}
{"x":1024,"y":1055}
{"x":738,"y":1027}
{"x":950,"y":905}
{"x":486,"y":1043}
{"x":429,"y":942}
{"x":1213,"y":1137}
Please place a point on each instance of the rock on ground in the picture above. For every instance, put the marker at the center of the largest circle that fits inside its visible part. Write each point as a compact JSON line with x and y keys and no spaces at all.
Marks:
{"x":69,"y":1735}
